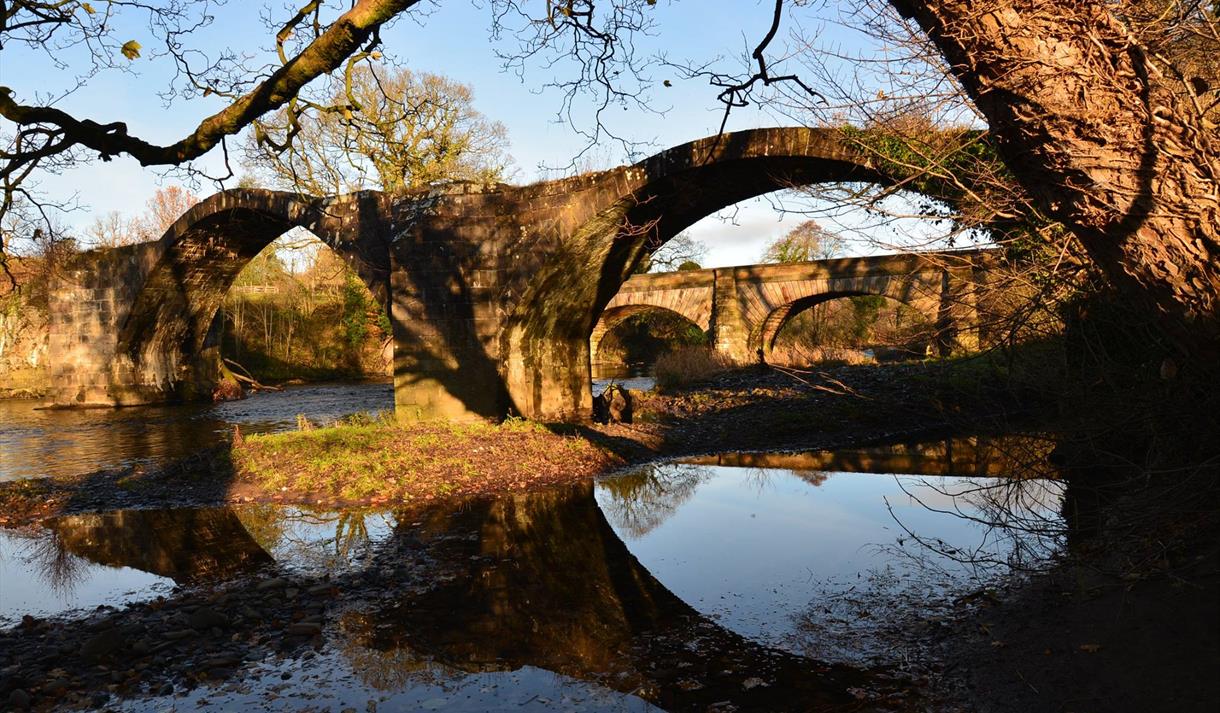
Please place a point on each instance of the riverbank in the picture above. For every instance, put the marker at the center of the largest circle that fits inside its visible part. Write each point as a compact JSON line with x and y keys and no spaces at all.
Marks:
{"x":1129,"y":620}
{"x":366,"y":462}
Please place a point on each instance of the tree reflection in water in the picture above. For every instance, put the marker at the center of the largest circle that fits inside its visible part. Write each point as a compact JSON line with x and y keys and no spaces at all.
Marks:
{"x":641,"y":500}
{"x":315,"y":540}
{"x":541,"y":580}
{"x":53,"y":563}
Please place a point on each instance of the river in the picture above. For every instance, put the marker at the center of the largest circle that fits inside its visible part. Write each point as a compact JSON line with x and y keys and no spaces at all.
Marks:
{"x":38,"y":442}
{"x":772,"y":581}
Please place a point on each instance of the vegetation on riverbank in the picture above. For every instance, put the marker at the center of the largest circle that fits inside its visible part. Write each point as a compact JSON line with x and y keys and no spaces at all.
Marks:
{"x":376,"y":460}
{"x":367,"y":460}
{"x":303,"y":314}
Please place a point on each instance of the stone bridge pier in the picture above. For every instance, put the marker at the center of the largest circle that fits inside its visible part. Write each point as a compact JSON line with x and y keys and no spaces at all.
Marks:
{"x":493,"y":291}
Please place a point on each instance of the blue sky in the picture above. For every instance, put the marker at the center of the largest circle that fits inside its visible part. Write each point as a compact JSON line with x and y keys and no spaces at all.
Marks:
{"x":453,"y":39}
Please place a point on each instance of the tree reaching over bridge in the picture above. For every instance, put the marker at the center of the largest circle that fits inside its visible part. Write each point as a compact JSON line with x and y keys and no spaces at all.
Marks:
{"x":404,"y":131}
{"x":37,"y":135}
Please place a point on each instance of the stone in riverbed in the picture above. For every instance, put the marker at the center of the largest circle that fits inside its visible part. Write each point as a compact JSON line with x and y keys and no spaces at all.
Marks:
{"x":612,"y":406}
{"x":303,"y":628}
{"x":272,"y":583}
{"x":101,"y":645}
{"x":204,"y":618}
{"x":18,"y":700}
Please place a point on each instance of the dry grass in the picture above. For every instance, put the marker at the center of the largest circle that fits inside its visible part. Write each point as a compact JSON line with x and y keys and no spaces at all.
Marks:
{"x":369,"y":458}
{"x":792,"y":355}
{"x":689,"y":365}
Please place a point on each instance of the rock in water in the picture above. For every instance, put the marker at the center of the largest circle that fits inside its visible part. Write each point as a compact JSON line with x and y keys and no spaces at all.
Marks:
{"x":613,"y":405}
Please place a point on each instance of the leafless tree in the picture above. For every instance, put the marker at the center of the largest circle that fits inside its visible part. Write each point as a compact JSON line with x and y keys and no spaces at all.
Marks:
{"x":404,"y":131}
{"x":38,"y":136}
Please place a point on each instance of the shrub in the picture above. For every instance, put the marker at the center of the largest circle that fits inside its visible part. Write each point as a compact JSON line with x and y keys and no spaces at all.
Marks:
{"x":689,"y":365}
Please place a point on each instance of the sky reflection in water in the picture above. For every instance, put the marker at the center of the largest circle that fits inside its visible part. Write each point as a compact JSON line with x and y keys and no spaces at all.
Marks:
{"x":756,"y":549}
{"x":576,"y":596}
{"x":37,"y":442}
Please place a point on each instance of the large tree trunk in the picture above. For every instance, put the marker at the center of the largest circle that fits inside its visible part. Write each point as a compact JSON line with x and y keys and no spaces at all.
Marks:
{"x":1098,"y":133}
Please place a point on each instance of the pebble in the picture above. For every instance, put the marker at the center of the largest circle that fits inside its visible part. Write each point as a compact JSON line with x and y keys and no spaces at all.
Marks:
{"x":273,"y":583}
{"x":204,"y":618}
{"x":303,"y":628}
{"x":222,"y":660}
{"x":19,"y":699}
{"x":100,"y":645}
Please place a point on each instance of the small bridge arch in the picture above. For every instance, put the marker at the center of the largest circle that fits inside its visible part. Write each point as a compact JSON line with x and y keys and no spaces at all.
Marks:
{"x":152,"y":304}
{"x":686,"y":294}
{"x":615,"y":316}
{"x":769,"y":306}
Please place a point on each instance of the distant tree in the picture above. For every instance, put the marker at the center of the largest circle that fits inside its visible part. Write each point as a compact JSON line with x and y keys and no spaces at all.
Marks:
{"x":166,"y":206}
{"x":678,"y":251}
{"x":807,"y":241}
{"x":396,"y":131}
{"x":112,"y":230}
{"x":689,"y":265}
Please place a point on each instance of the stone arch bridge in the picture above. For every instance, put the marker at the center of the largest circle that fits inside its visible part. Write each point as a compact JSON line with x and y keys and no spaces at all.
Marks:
{"x":493,"y":291}
{"x":744,"y":308}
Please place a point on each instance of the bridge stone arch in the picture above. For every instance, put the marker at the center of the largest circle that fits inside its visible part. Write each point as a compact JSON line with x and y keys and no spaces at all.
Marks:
{"x":614,"y":316}
{"x":770,"y":303}
{"x":493,"y":291}
{"x":686,"y":294}
{"x":143,"y":335}
{"x":616,"y":217}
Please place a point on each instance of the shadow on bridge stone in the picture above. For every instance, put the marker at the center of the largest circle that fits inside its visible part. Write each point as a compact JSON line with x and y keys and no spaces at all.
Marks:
{"x":493,"y":291}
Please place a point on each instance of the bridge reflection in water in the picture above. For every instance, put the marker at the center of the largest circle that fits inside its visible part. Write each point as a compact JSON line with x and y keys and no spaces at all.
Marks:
{"x":1021,"y":457}
{"x":537,"y":581}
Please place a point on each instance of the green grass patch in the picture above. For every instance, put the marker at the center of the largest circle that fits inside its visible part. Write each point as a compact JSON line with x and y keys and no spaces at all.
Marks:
{"x":367,"y":457}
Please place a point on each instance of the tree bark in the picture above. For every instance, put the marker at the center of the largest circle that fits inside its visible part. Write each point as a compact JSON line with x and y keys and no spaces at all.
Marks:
{"x":1097,"y":132}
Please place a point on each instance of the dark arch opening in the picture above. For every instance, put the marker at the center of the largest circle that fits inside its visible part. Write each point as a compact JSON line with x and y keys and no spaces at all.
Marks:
{"x":845,"y":326}
{"x":636,"y":335}
{"x":170,"y":337}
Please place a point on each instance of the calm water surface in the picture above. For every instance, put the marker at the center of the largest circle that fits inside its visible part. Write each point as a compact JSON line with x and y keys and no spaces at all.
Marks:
{"x":37,"y":442}
{"x":633,"y":376}
{"x":623,"y":594}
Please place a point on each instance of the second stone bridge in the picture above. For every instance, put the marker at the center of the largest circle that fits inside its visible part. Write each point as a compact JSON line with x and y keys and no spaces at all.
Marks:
{"x":493,"y":291}
{"x":743,"y":309}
